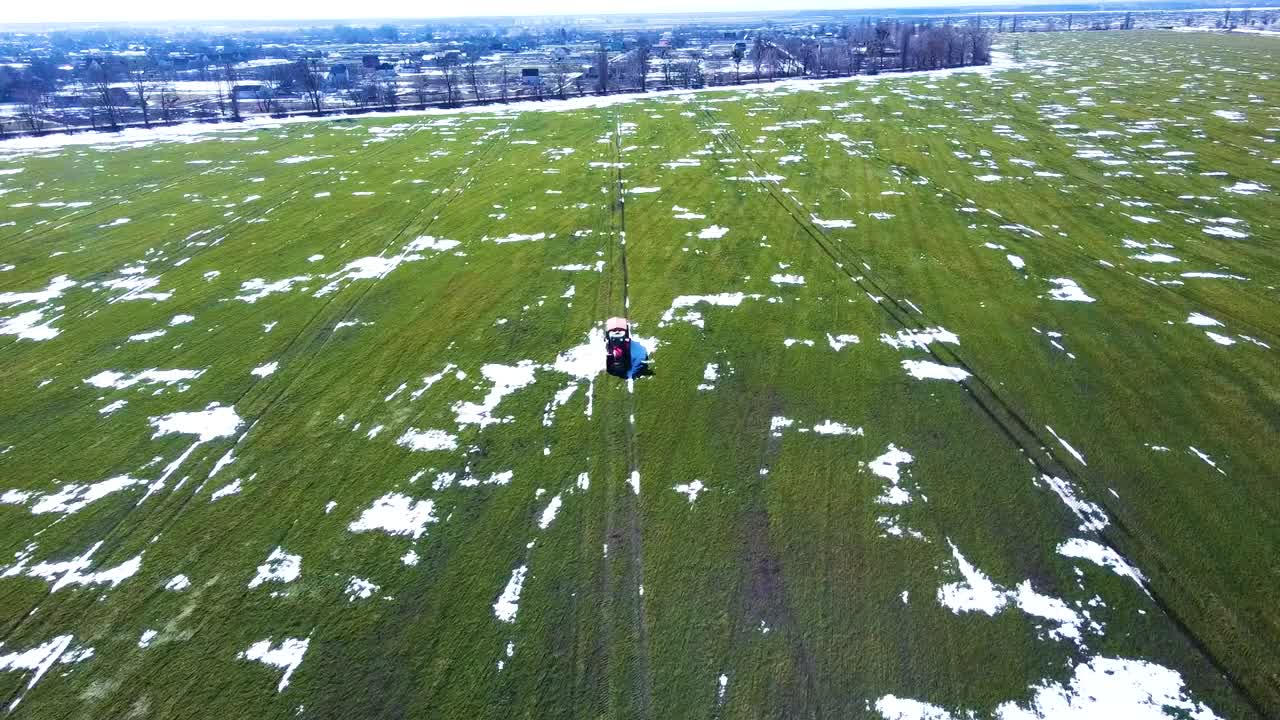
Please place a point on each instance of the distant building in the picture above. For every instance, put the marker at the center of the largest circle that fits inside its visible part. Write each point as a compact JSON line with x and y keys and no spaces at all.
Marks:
{"x":339,"y":76}
{"x":369,"y":61}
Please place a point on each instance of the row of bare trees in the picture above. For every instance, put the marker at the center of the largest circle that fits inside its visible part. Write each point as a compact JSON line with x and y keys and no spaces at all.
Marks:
{"x":113,"y":91}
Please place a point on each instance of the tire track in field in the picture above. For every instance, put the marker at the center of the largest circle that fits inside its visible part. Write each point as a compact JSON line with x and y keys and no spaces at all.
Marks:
{"x":642,"y":689}
{"x":762,"y":598}
{"x":982,"y":393}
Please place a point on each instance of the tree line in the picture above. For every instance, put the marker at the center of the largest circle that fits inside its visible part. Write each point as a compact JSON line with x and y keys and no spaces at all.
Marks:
{"x":108,"y":91}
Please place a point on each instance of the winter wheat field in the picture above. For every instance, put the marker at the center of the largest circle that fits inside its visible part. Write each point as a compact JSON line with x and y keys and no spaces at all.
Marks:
{"x":966,"y":403}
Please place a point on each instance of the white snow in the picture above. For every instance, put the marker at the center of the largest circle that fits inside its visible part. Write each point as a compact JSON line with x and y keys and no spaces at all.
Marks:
{"x":831,"y":427}
{"x":1074,"y":453}
{"x":892,"y":707}
{"x":715,"y":232}
{"x":38,"y":660}
{"x":429,"y":242}
{"x":1246,"y":188}
{"x":55,"y":289}
{"x":71,"y":498}
{"x":634,"y":481}
{"x":506,"y":379}
{"x":693,"y":317}
{"x":976,"y":594}
{"x":230,"y":488}
{"x":178,"y":583}
{"x":926,"y":370}
{"x":838,"y":342}
{"x":831,"y":224}
{"x":1101,"y":555}
{"x":690,"y":490}
{"x":518,"y":237}
{"x":181,"y":319}
{"x":508,"y":603}
{"x":549,"y":513}
{"x":147,"y":636}
{"x":288,"y":655}
{"x":786,"y":279}
{"x":213,"y":422}
{"x":1050,"y":608}
{"x":1156,"y":258}
{"x":265,"y":370}
{"x":280,"y":567}
{"x":1109,"y":687}
{"x":887,"y":467}
{"x":1220,"y":339}
{"x":1068,"y":290}
{"x":295,"y":159}
{"x":120,"y":381}
{"x":1196,"y":318}
{"x":1092,"y":517}
{"x":919,"y":338}
{"x":1226,"y":232}
{"x":360,"y":589}
{"x":396,"y":514}
{"x":427,"y":440}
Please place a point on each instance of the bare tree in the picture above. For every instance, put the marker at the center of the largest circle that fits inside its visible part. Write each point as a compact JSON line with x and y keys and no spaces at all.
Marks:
{"x":312,"y":80}
{"x":602,"y":69}
{"x":560,"y":76}
{"x":504,"y":82}
{"x":640,"y":56}
{"x":99,"y":77}
{"x":34,"y":98}
{"x":168,"y":100}
{"x":739,"y":53}
{"x":758,"y":51}
{"x":421,"y":87}
{"x":447,"y":64}
{"x":142,"y":88}
{"x":229,"y":77}
{"x":663,"y":53}
{"x":474,"y":77}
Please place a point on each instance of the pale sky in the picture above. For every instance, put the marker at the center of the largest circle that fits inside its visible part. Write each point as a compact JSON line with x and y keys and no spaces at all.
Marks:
{"x":20,"y":11}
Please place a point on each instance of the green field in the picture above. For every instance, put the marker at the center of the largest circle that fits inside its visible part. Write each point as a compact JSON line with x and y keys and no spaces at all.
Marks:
{"x":323,"y":429}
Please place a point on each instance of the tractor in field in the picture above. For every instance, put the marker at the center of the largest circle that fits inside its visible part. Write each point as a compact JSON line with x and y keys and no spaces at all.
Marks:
{"x":617,"y":347}
{"x":624,"y":357}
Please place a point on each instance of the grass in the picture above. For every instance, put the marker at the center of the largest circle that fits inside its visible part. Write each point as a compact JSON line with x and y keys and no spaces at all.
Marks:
{"x":799,"y":550}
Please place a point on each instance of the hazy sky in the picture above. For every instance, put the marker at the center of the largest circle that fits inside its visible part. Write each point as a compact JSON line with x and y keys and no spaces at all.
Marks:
{"x":16,"y":11}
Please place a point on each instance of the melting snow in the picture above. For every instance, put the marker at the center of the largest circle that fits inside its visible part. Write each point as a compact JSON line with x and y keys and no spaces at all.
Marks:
{"x":1068,"y":290}
{"x":396,"y":514}
{"x":280,"y":567}
{"x":287,"y":655}
{"x":427,"y":440}
{"x":213,"y":422}
{"x":508,"y":603}
{"x":926,"y":370}
{"x":265,"y":370}
{"x":690,"y":490}
{"x":919,"y":338}
{"x":360,"y":589}
{"x":1103,"y":556}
